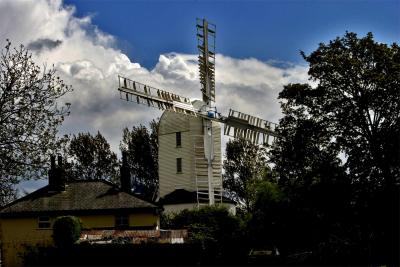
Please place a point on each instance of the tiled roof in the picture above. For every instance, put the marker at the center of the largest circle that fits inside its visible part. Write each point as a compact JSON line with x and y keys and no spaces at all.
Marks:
{"x":84,"y":195}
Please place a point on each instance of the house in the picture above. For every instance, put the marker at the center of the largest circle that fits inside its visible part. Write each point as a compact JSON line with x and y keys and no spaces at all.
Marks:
{"x":100,"y":205}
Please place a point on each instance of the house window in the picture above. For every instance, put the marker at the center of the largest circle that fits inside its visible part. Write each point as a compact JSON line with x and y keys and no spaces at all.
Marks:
{"x":44,"y":222}
{"x":178,"y":139}
{"x":121,"y":221}
{"x":179,"y":165}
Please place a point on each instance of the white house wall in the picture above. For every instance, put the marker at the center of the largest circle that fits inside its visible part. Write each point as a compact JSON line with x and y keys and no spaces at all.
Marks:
{"x":191,"y":129}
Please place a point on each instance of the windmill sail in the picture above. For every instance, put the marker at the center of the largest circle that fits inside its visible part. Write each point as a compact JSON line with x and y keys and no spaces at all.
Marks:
{"x":153,"y":97}
{"x":206,"y":46}
{"x":254,"y":129}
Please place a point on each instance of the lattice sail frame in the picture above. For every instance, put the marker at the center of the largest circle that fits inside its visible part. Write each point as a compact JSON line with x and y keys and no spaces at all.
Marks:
{"x":206,"y":44}
{"x":237,"y":124}
{"x":143,"y":94}
{"x":252,"y":128}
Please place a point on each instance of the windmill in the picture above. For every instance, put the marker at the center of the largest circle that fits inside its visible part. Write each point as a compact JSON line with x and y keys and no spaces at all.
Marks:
{"x":202,"y":126}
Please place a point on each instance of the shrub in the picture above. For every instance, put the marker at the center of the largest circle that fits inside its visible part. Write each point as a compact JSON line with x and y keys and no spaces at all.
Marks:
{"x":66,"y":231}
{"x":210,"y":223}
{"x":219,"y":234}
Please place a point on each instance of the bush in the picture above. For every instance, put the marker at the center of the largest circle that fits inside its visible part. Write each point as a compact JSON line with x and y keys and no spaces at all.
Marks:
{"x":66,"y":231}
{"x":219,"y":234}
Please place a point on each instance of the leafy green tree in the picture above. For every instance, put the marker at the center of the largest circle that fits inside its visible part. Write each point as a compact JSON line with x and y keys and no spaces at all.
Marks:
{"x":338,"y":151}
{"x":90,"y":157}
{"x":141,"y":145}
{"x":29,"y":117}
{"x":245,"y":163}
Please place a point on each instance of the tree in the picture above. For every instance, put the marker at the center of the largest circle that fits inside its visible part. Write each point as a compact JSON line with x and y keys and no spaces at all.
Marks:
{"x":141,"y":145}
{"x":8,"y":191}
{"x":29,"y":117}
{"x":340,"y":139}
{"x":245,"y":163}
{"x":66,"y":231}
{"x":91,"y":158}
{"x":264,"y":225}
{"x":358,"y":96}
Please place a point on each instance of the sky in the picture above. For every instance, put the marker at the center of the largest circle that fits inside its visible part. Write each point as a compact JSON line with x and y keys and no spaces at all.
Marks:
{"x":91,"y":42}
{"x":266,"y":30}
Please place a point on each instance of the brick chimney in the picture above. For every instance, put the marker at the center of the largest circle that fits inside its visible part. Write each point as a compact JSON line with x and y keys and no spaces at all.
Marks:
{"x":56,"y":174}
{"x":126,"y":183}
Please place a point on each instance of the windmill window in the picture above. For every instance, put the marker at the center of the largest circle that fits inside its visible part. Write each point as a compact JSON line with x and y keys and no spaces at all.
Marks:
{"x":44,"y":222}
{"x":121,"y":221}
{"x":179,"y":165}
{"x":178,"y":139}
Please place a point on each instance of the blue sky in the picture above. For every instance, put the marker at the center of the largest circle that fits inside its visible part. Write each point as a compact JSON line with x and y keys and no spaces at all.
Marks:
{"x":266,"y":30}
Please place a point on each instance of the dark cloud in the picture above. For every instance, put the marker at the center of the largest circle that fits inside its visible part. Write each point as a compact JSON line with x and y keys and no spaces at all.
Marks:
{"x":41,"y":44}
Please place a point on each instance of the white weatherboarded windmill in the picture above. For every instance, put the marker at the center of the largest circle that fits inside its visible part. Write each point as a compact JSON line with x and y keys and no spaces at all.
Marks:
{"x":190,"y":169}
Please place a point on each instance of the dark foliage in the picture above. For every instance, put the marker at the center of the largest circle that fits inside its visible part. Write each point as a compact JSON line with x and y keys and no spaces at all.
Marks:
{"x":263,"y":224}
{"x":66,"y":231}
{"x":141,"y":146}
{"x":86,"y":254}
{"x":338,"y":154}
{"x":220,"y":234}
{"x":90,"y":157}
{"x":244,"y":165}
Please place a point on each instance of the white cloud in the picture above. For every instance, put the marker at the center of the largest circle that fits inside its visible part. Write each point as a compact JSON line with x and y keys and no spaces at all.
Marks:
{"x":87,"y":59}
{"x":24,"y":21}
{"x":177,"y":67}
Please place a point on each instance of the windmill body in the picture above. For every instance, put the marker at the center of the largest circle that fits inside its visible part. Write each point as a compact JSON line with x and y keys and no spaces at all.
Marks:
{"x":190,"y":132}
{"x":183,"y":166}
